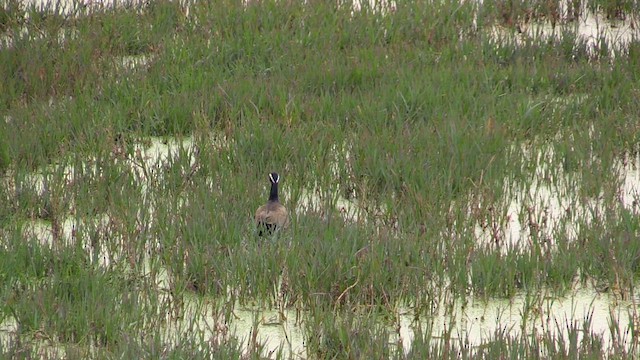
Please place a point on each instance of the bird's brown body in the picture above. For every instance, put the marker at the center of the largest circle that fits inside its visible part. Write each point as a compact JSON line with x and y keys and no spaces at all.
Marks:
{"x":272,"y":216}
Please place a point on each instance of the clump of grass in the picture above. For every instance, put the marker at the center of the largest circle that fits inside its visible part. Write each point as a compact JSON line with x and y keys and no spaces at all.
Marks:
{"x":11,"y":15}
{"x":613,"y":257}
{"x":347,"y":336}
{"x":567,"y":339}
{"x":75,"y":303}
{"x":4,"y":157}
{"x":23,"y":262}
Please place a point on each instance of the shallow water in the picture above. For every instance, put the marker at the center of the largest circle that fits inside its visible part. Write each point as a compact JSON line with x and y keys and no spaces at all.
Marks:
{"x":590,"y":27}
{"x":593,"y":34}
{"x":149,"y":157}
{"x":549,"y":205}
{"x":479,"y":319}
{"x":476,"y":321}
{"x":274,"y":330}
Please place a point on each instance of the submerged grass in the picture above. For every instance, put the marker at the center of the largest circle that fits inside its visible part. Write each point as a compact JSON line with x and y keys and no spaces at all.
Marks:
{"x":418,"y":114}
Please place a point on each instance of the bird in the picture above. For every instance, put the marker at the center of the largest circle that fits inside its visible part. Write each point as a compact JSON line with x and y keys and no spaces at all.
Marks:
{"x":272,"y":216}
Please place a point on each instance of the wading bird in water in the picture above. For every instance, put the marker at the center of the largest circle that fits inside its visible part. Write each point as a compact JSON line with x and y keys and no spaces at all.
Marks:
{"x":272,"y":216}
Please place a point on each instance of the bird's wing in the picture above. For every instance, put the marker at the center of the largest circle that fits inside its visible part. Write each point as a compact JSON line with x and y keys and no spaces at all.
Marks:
{"x":261,"y":213}
{"x":280,"y":216}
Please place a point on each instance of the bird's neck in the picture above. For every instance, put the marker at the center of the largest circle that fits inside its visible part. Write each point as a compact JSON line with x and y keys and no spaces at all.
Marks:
{"x":273,"y":195}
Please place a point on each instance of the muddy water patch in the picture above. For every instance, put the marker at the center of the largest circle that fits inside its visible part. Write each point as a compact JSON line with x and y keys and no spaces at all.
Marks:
{"x":77,"y":7}
{"x":476,"y":322}
{"x":550,"y":204}
{"x":271,"y":331}
{"x":381,"y":6}
{"x":323,"y":203}
{"x":131,"y":62}
{"x":583,"y":312}
{"x":146,"y":159}
{"x":152,"y":155}
{"x":628,"y":169}
{"x":539,"y":210}
{"x":55,"y":219}
{"x":592,"y":30}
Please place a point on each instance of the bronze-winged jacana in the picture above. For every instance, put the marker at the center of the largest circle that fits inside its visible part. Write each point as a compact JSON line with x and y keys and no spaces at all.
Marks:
{"x":272,"y":216}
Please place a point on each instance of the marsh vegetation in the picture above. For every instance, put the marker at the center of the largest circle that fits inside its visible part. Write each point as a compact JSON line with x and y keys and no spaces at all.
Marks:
{"x":440,"y":160}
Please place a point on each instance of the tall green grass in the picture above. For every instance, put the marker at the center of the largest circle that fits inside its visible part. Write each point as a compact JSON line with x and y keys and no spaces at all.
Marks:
{"x":421,"y":111}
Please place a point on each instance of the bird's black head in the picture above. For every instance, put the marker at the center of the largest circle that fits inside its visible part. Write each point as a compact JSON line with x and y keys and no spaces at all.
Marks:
{"x":273,"y":194}
{"x":274,"y":178}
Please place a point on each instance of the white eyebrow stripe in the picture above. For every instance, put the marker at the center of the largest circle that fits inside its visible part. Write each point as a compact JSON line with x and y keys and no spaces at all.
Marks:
{"x":271,"y":178}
